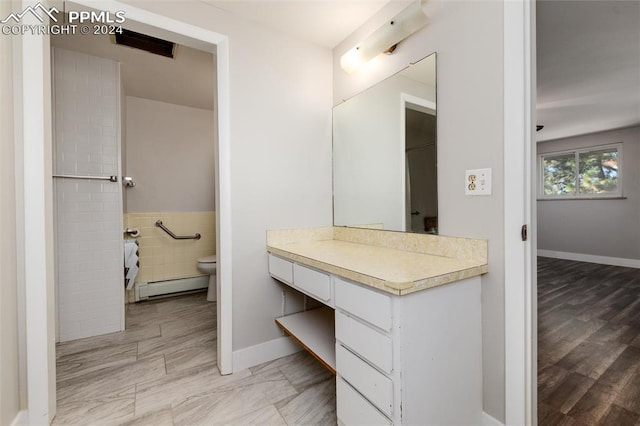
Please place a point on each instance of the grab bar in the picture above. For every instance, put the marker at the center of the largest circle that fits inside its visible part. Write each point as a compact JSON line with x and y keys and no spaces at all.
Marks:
{"x":174,"y":236}
{"x":109,"y":178}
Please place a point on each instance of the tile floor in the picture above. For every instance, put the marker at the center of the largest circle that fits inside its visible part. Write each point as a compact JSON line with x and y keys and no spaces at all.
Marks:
{"x":162,"y":371}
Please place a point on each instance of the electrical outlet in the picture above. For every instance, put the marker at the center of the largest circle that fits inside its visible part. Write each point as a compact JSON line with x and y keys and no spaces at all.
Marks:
{"x":477,"y":182}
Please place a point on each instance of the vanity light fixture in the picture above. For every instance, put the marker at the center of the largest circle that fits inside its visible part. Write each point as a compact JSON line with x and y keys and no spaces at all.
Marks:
{"x":385,"y":38}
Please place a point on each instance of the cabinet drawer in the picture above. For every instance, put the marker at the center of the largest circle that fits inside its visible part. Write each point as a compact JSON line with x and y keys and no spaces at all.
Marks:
{"x":315,"y":283}
{"x":371,"y":383}
{"x":364,"y":303}
{"x":281,"y":269}
{"x":354,"y":409}
{"x":370,"y":344}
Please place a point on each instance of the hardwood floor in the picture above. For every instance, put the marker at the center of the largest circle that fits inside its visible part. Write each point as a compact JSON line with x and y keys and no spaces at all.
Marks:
{"x":162,"y":371}
{"x":588,"y":344}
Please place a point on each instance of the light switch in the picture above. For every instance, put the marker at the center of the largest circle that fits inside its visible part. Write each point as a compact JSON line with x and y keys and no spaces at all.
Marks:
{"x":477,"y":182}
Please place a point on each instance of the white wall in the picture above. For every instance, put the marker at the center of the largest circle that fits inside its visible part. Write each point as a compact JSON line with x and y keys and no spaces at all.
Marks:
{"x":170,"y":155}
{"x":608,"y":228}
{"x":280,"y":100}
{"x":9,"y":314}
{"x":468,"y":37}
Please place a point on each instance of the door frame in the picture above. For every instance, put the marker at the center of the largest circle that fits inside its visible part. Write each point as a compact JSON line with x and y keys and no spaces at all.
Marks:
{"x":35,"y":122}
{"x":519,"y":209}
{"x":419,"y":104}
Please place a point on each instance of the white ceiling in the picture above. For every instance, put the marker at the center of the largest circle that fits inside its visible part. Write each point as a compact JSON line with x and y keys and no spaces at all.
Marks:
{"x":322,"y":22}
{"x":185,"y":80}
{"x":588,"y":55}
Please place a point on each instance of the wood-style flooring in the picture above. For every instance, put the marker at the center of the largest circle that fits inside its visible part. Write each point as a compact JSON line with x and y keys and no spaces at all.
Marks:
{"x":162,"y":371}
{"x":588,"y":344}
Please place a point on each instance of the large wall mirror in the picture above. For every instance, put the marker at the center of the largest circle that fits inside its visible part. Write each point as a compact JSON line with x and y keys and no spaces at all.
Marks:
{"x":384,"y":154}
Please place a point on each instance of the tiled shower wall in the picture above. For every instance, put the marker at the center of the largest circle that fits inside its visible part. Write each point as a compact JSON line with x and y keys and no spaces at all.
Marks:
{"x":88,"y":213}
{"x":163,"y":258}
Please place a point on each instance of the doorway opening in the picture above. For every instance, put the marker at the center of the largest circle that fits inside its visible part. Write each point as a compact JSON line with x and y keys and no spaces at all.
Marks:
{"x":588,"y":233}
{"x":131,"y":148}
{"x":420,"y":179}
{"x":421,"y":170}
{"x":39,"y":253}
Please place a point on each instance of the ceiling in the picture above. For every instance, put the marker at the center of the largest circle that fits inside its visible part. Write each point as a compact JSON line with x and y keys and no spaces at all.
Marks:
{"x":322,"y":22}
{"x":588,"y":66}
{"x":186,"y":80}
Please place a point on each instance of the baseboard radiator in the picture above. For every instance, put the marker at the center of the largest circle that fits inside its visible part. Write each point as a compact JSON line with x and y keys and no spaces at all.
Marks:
{"x":155,"y":289}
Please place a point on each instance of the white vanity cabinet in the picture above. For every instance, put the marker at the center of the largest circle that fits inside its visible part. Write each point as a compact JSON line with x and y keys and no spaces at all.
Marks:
{"x":399,"y":359}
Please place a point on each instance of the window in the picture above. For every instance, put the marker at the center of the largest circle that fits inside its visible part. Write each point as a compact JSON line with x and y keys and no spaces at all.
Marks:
{"x":584,"y":173}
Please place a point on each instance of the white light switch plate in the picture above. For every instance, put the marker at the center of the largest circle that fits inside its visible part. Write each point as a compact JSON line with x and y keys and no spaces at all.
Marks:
{"x":477,"y":182}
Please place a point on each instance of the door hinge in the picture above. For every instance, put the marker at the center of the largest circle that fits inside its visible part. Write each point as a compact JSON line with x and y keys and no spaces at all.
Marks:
{"x":524,"y":233}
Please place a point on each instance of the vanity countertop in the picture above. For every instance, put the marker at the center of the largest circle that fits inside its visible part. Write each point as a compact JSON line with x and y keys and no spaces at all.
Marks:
{"x":394,"y":262}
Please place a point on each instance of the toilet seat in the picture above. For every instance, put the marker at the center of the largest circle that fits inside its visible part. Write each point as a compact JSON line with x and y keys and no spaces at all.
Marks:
{"x":208,"y":259}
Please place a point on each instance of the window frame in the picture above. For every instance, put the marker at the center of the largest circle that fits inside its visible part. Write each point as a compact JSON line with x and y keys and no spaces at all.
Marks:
{"x":576,"y":152}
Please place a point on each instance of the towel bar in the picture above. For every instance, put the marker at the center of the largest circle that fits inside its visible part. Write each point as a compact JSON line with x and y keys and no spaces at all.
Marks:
{"x":109,"y":178}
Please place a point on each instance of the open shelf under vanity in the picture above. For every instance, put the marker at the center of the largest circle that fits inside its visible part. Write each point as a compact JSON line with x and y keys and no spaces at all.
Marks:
{"x":314,"y":330}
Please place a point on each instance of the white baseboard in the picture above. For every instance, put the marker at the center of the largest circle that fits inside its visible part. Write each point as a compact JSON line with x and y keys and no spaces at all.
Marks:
{"x":21,"y":419}
{"x":603,"y":260}
{"x":264,"y":352}
{"x":488,"y":420}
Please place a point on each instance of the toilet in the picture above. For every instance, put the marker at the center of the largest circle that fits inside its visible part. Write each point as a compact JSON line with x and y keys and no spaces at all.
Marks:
{"x":207,"y":265}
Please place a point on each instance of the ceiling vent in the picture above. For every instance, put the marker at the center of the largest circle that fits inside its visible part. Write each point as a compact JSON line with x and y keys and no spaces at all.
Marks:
{"x":147,"y":43}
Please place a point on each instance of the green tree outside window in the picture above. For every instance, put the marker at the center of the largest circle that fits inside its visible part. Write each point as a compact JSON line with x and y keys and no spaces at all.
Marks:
{"x":587,"y":172}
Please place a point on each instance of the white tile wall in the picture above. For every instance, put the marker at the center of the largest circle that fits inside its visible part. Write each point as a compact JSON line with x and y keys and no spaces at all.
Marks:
{"x":88,"y":212}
